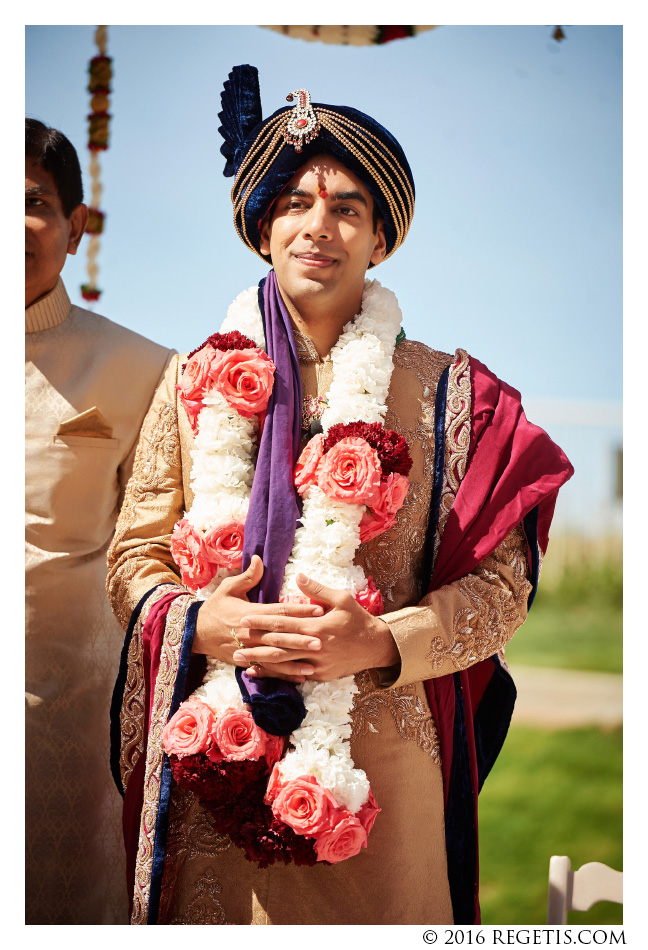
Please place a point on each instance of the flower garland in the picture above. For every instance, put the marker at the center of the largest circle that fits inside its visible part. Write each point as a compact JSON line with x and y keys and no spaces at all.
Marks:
{"x":353,"y":480}
{"x":207,"y":545}
{"x":342,"y":483}
{"x":299,"y":808}
{"x":100,"y":72}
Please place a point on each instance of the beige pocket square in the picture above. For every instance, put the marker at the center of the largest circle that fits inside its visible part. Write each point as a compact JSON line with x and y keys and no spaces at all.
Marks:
{"x":90,"y":423}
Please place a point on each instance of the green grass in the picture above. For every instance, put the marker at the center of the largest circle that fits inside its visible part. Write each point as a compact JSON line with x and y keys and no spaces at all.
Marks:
{"x":549,"y":793}
{"x":577,"y":624}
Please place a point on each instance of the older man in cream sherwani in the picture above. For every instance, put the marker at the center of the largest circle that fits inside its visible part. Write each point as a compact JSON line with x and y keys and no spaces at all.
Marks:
{"x":89,"y":383}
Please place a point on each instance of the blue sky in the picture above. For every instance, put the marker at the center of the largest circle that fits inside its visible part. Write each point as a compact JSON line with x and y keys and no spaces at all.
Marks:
{"x":515,"y":142}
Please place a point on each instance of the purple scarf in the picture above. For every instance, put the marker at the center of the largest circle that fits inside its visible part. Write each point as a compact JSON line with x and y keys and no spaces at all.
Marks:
{"x":274,"y":509}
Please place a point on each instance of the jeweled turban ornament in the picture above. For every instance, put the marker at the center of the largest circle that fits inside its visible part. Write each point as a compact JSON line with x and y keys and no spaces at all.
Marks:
{"x":264,"y":155}
{"x":302,"y":125}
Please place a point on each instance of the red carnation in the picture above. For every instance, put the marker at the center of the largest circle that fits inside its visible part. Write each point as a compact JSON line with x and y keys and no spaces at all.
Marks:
{"x":265,"y":840}
{"x":220,"y":782}
{"x":232,"y":795}
{"x":227,"y":341}
{"x":391,"y":447}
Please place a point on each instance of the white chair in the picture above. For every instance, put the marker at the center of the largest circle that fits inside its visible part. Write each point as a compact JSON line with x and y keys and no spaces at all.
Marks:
{"x":579,"y":890}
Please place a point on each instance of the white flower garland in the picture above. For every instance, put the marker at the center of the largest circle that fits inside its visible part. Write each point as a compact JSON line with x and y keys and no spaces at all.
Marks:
{"x":219,"y":688}
{"x":329,"y":533}
{"x":322,"y":743}
{"x":224,"y":452}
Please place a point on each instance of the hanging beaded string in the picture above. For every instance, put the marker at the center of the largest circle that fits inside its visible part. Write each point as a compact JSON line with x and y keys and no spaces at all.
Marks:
{"x":336,"y":121}
{"x":366,"y":147}
{"x":100,"y":71}
{"x":375,"y":158}
{"x":269,"y":143}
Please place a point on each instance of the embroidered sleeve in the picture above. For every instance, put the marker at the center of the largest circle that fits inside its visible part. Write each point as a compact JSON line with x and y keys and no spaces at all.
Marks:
{"x":139,"y":556}
{"x":126,"y":467}
{"x":466,"y":621}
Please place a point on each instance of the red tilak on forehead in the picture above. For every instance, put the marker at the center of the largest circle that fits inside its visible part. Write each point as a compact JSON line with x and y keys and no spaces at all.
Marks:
{"x":321,"y":191}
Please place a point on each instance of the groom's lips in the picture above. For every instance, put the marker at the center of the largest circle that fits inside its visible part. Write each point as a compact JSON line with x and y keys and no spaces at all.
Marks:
{"x":312,"y":259}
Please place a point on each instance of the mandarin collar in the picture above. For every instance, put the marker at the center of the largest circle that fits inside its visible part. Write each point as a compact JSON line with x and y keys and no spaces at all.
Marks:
{"x":49,"y":311}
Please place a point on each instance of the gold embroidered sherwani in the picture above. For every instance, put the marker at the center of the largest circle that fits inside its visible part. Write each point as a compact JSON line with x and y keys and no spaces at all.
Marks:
{"x":401,"y":877}
{"x":89,"y":383}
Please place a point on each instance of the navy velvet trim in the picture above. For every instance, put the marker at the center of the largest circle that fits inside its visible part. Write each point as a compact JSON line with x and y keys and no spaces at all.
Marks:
{"x":493,"y":718}
{"x":276,"y":705}
{"x":461,"y":834}
{"x":261,"y":303}
{"x":530,"y":524}
{"x":118,"y":695}
{"x":437,"y":484}
{"x":241,"y":112}
{"x":162,"y":820}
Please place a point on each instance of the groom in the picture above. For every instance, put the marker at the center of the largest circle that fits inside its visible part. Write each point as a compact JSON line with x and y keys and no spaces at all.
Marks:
{"x":321,"y":235}
{"x":325,"y":193}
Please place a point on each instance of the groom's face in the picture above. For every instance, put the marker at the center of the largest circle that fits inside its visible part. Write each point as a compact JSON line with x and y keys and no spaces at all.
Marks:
{"x":322,"y":234}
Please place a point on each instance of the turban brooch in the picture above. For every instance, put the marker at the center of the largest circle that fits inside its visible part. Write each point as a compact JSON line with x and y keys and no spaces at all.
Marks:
{"x":264,"y":155}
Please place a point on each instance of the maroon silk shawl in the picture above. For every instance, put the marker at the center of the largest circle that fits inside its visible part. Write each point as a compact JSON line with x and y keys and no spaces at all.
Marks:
{"x":513,"y":467}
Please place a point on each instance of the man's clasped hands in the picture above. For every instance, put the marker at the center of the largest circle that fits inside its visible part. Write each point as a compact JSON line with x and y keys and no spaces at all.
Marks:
{"x":329,"y":637}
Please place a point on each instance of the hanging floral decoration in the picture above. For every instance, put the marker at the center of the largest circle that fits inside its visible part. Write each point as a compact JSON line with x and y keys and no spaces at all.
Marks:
{"x":350,"y":35}
{"x":364,"y":35}
{"x":100,"y":72}
{"x":95,"y":221}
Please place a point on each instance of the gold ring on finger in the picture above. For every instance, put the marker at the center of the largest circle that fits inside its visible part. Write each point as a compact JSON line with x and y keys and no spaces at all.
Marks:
{"x":236,"y":639}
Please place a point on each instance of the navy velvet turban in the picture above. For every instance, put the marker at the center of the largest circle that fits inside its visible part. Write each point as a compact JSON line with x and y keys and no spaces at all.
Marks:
{"x":265,"y":154}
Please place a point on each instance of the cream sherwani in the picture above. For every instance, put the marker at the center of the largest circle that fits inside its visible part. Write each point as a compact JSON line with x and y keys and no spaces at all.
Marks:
{"x":89,"y":383}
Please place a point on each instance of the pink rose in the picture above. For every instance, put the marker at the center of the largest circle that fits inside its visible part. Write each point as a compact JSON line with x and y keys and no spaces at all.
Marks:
{"x":274,"y":749}
{"x":306,"y":468}
{"x":244,"y":378}
{"x":350,"y":471}
{"x":189,"y":730}
{"x":383,"y":511}
{"x":343,"y":840}
{"x":237,"y":735}
{"x":305,"y":806}
{"x":223,"y":544}
{"x":195,"y":376}
{"x":368,"y":813}
{"x":374,"y":523}
{"x":192,"y":408}
{"x":392,"y":493}
{"x":188,"y":552}
{"x":296,"y":597}
{"x":214,"y":754}
{"x":275,"y":784}
{"x":371,"y":599}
